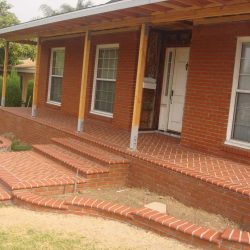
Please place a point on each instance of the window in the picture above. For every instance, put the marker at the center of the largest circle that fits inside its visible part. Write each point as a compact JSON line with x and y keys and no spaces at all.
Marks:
{"x":105,"y":79}
{"x":56,"y":76}
{"x":239,"y":117}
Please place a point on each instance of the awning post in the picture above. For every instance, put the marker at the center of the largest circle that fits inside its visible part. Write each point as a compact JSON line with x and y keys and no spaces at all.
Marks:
{"x":36,"y":79}
{"x":5,"y":73}
{"x":139,"y":86}
{"x":84,"y":81}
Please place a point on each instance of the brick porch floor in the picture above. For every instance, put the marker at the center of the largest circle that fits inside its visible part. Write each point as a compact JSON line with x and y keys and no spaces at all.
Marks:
{"x":156,"y":148}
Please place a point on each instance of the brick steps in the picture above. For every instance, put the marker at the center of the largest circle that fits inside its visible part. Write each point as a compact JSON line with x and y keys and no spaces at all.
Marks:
{"x":75,"y":162}
{"x":41,"y":201}
{"x":90,"y":151}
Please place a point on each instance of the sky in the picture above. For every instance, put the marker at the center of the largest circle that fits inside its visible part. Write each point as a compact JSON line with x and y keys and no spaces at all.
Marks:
{"x":26,"y":10}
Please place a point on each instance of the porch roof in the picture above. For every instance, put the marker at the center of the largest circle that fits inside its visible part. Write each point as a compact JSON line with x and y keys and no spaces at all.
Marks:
{"x":129,"y":13}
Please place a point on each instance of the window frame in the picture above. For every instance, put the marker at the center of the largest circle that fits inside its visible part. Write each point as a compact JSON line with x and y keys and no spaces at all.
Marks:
{"x":93,"y":110}
{"x":229,"y":140}
{"x":50,"y":75}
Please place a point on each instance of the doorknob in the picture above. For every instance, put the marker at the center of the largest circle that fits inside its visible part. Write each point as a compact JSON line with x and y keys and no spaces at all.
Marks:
{"x":187,"y":64}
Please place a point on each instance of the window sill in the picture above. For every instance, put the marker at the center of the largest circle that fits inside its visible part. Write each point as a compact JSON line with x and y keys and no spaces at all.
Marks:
{"x":58,"y":104}
{"x":238,"y":144}
{"x":96,"y":112}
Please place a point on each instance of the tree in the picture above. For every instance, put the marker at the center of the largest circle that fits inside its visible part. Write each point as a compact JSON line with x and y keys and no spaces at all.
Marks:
{"x":64,"y":8}
{"x":17,"y":51}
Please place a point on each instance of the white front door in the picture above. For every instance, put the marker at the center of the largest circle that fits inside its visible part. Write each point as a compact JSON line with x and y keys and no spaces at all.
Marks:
{"x":174,"y":89}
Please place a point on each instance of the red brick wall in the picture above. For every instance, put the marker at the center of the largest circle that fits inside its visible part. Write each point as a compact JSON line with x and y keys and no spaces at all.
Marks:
{"x":72,"y":73}
{"x":126,"y":75}
{"x":209,"y":85}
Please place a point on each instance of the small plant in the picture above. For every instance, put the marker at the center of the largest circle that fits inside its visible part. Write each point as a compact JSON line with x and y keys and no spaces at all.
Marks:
{"x":17,"y":145}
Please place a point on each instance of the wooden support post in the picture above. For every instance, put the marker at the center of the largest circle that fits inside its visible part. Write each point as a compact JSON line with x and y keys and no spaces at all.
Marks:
{"x":5,"y":73}
{"x":139,"y":86}
{"x":36,"y":80}
{"x":84,"y":81}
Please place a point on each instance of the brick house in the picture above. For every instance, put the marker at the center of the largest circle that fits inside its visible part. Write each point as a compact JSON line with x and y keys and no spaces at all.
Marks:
{"x":178,"y":67}
{"x":191,"y":86}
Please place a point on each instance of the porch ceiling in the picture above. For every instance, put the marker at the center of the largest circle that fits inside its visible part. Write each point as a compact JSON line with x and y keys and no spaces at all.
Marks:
{"x":129,"y":13}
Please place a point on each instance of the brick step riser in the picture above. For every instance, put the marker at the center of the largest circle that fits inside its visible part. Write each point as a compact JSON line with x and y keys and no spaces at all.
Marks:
{"x":100,"y":145}
{"x":5,"y":185}
{"x":57,"y":190}
{"x":87,"y":156}
{"x":116,"y":178}
{"x":57,"y":160}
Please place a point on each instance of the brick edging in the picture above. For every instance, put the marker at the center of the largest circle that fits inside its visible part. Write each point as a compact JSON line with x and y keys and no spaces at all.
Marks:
{"x":146,"y":218}
{"x":160,"y":223}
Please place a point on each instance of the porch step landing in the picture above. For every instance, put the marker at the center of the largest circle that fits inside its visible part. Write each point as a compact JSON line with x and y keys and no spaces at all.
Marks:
{"x":90,"y":151}
{"x":84,"y":166}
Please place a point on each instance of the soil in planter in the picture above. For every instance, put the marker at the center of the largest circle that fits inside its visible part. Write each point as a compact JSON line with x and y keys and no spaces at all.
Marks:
{"x":137,"y":198}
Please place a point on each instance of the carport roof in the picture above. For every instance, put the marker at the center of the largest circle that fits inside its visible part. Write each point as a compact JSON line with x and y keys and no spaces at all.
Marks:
{"x":127,"y":13}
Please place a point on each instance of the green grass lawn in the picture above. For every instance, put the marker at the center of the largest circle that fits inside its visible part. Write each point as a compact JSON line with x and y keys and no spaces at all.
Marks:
{"x":41,"y":240}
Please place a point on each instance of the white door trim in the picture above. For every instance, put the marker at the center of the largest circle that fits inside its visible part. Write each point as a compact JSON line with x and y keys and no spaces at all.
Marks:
{"x":168,"y":80}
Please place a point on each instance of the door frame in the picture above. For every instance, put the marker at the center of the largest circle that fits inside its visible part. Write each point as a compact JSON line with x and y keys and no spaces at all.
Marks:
{"x":170,"y":84}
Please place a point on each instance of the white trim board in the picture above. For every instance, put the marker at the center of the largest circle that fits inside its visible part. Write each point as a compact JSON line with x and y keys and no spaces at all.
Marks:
{"x":93,"y":110}
{"x":50,"y":75}
{"x":229,"y":140}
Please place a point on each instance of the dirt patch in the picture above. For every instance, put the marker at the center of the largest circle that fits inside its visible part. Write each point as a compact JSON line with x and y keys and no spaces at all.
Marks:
{"x":20,"y":227}
{"x":136,"y":198}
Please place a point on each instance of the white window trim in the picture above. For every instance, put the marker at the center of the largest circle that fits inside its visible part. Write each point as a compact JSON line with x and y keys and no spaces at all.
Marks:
{"x":93,"y":110}
{"x":229,"y":140}
{"x":50,"y":77}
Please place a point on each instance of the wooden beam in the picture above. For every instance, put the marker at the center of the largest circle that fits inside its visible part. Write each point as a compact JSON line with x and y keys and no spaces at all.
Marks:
{"x":36,"y":80}
{"x":139,"y":86}
{"x":102,"y":32}
{"x":178,"y":14}
{"x":5,"y":73}
{"x":226,"y":19}
{"x":25,"y":42}
{"x":84,"y":82}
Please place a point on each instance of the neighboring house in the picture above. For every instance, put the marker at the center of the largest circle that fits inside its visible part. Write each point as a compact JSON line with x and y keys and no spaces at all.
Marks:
{"x":25,"y":70}
{"x":196,"y":80}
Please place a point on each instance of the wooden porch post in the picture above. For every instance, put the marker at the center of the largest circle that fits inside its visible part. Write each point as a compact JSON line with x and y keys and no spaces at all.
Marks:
{"x":84,"y":81}
{"x":139,"y":86}
{"x":5,"y":73}
{"x":36,"y":80}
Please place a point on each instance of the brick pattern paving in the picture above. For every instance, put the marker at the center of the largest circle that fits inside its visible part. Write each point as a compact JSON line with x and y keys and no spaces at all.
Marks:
{"x":74,"y":161}
{"x":89,"y":150}
{"x":21,"y":170}
{"x":155,"y":147}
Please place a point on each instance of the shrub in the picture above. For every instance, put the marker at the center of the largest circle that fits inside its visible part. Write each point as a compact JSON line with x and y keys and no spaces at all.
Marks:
{"x":30,"y":86}
{"x":13,"y":90}
{"x":19,"y":146}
